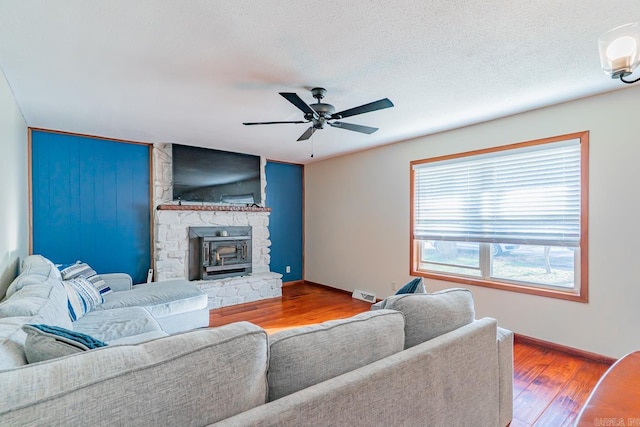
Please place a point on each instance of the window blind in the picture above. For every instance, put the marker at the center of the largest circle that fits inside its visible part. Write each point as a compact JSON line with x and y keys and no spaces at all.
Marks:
{"x":528,"y":195}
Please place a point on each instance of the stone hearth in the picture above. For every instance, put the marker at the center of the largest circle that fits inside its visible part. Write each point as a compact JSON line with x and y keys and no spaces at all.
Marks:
{"x":238,"y":290}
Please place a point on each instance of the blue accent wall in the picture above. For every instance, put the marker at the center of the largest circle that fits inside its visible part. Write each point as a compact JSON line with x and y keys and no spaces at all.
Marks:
{"x":90,"y":202}
{"x":285,"y":198}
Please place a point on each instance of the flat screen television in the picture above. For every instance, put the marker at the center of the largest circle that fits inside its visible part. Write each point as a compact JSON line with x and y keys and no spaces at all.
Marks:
{"x":215,"y":176}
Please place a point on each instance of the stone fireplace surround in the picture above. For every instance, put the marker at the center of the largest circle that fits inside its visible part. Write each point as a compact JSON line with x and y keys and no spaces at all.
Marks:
{"x":171,"y":239}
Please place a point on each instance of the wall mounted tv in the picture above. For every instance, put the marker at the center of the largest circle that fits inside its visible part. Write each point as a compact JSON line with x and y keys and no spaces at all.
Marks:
{"x":215,"y":176}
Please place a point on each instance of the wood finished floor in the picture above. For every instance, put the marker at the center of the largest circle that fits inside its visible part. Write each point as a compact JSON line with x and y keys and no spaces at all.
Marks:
{"x":549,"y":386}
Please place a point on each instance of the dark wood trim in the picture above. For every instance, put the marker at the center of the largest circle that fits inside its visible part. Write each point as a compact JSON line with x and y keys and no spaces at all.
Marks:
{"x":595,"y":357}
{"x":127,"y":141}
{"x":30,"y":189}
{"x":413,"y":243}
{"x":584,"y":216}
{"x":307,"y":282}
{"x":518,"y":338}
{"x":283,"y":162}
{"x":212,"y":208}
{"x":152,"y":233}
{"x":576,"y":135}
{"x":523,"y":289}
{"x":304,"y":222}
{"x":350,"y":293}
{"x":293,"y":283}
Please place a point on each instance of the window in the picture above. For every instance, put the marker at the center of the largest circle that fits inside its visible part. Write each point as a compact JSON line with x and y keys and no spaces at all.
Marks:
{"x":511,"y":217}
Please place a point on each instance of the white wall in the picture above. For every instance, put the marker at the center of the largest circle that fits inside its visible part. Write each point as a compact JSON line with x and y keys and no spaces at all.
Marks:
{"x":14,"y":215}
{"x":357,"y":221}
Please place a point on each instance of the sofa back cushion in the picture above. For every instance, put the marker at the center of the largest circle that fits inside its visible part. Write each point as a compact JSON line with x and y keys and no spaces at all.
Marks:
{"x":35,"y":269}
{"x":47,"y":300}
{"x":204,"y":376}
{"x":305,"y":356}
{"x":430,"y":315}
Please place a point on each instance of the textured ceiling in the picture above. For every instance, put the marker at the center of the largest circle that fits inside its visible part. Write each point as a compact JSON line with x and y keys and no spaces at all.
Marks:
{"x":191,"y":72}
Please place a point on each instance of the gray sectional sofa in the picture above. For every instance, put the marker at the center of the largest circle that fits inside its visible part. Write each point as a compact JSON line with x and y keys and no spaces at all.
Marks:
{"x":129,"y":314}
{"x":420,"y":360}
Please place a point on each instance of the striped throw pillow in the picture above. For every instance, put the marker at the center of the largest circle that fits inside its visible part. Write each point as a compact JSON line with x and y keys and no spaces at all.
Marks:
{"x":71,"y":271}
{"x":82,"y":297}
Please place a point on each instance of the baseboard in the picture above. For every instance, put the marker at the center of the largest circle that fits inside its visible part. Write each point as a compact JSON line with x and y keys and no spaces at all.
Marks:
{"x":519,"y":338}
{"x":576,"y":352}
{"x":307,"y":282}
{"x":293,"y":282}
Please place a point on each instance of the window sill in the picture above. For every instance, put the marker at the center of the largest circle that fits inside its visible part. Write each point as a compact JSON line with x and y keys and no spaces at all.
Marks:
{"x":569,"y":295}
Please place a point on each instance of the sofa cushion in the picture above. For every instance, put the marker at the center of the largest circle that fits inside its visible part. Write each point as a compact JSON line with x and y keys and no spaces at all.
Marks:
{"x":46,"y":342}
{"x":162,"y":299}
{"x":35,"y":270}
{"x":430,"y":315}
{"x":139,"y":338}
{"x":82,"y":297}
{"x":47,"y":299}
{"x":44,"y":302}
{"x":109,"y":325}
{"x":204,"y":376}
{"x":82,"y":269}
{"x":12,"y":339}
{"x":305,"y":356}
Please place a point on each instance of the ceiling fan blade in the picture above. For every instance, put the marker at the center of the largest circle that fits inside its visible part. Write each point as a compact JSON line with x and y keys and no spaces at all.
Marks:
{"x":307,"y":134}
{"x":356,"y":128}
{"x":366,"y":108}
{"x":271,"y":123}
{"x":298,"y":102}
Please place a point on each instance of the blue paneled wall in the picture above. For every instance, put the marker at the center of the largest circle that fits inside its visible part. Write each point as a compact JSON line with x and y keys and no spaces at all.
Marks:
{"x":90,"y":201}
{"x":285,"y":198}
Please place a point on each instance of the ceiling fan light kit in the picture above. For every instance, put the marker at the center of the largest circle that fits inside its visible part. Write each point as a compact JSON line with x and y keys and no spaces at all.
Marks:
{"x":320,"y":114}
{"x":620,"y":51}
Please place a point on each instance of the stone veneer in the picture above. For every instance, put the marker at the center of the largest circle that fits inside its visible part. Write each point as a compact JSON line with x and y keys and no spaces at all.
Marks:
{"x":238,"y":290}
{"x":172,"y":238}
{"x":171,"y":235}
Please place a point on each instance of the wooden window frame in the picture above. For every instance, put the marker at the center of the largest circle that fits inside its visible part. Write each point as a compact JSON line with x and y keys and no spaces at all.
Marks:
{"x":581,"y":291}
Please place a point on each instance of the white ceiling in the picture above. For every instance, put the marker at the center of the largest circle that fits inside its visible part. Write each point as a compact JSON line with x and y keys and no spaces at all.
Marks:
{"x":191,"y":72}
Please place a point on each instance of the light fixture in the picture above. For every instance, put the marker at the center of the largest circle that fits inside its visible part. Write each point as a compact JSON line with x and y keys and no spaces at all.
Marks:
{"x":620,"y":51}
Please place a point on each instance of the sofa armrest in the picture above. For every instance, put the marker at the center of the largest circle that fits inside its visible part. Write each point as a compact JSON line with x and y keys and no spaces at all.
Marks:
{"x":505,"y":375}
{"x":118,"y":281}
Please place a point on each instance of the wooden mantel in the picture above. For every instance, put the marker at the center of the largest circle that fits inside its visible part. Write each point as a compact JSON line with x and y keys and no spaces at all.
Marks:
{"x":213,"y":208}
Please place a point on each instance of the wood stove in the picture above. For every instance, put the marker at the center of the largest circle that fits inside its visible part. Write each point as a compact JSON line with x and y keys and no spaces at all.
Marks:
{"x":218,"y":252}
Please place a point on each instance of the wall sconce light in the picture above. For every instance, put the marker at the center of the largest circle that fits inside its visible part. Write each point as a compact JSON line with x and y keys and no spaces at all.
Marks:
{"x":620,"y":51}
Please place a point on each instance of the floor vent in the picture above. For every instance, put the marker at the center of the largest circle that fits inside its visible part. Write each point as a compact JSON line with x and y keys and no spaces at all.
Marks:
{"x":364,"y":296}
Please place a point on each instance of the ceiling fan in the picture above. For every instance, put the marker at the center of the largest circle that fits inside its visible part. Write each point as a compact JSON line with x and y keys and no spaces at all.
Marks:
{"x":320,"y":114}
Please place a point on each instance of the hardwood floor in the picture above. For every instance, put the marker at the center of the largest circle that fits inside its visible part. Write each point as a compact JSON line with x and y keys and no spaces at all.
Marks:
{"x":549,"y":386}
{"x":300,"y":305}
